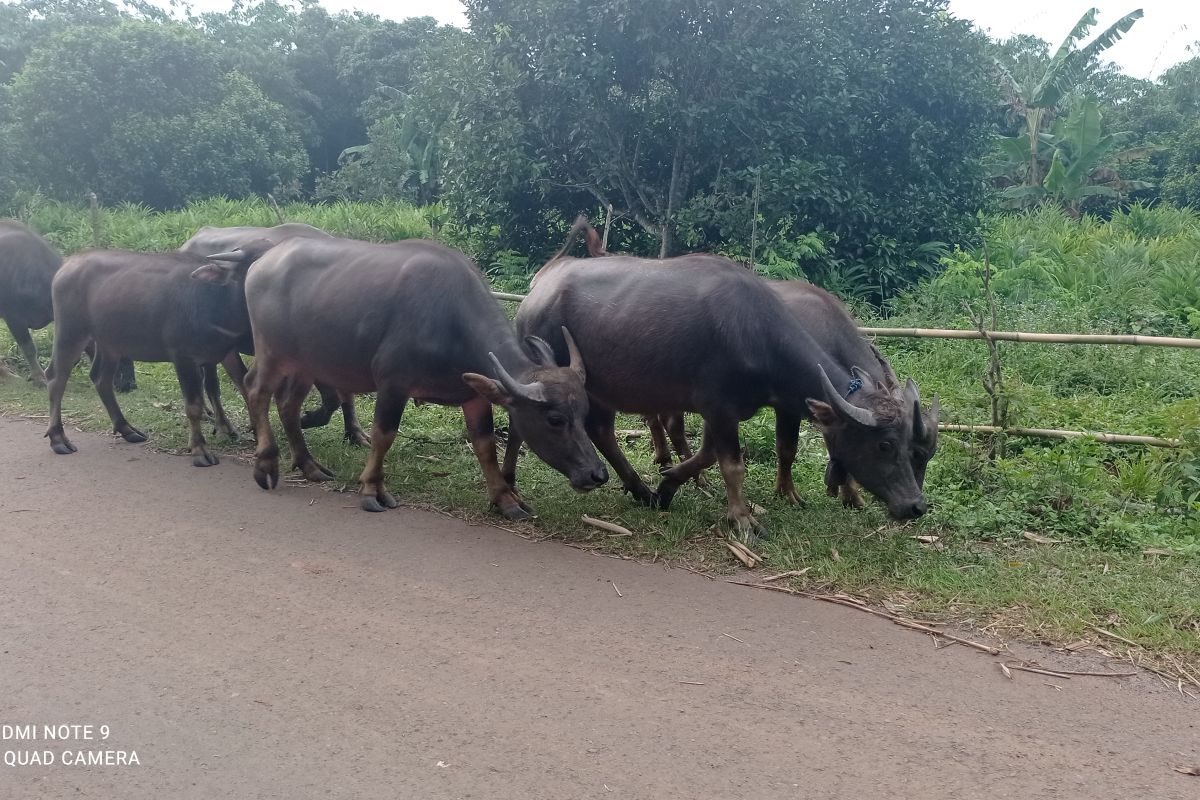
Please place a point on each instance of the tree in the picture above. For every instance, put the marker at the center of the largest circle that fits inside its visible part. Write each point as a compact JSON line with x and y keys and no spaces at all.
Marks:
{"x":1083,"y":161}
{"x":1035,"y":96}
{"x":149,"y":113}
{"x":865,"y":118}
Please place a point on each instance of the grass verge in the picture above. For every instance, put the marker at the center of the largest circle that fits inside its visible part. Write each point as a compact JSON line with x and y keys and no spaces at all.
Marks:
{"x":993,"y":579}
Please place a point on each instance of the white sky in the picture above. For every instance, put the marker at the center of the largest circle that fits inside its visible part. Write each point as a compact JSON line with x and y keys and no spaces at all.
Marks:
{"x":1157,"y":41}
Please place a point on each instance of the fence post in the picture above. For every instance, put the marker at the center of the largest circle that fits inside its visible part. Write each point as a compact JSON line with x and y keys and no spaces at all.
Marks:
{"x":993,"y":380}
{"x":94,"y":203}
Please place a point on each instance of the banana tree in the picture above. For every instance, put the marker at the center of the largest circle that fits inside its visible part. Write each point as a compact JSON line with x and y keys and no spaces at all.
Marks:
{"x":1037,"y":100}
{"x":1083,"y":161}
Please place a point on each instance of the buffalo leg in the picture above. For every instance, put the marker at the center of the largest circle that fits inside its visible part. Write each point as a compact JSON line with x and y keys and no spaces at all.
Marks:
{"x":733,"y":469}
{"x":389,"y":409}
{"x":658,"y":438}
{"x":676,"y":430}
{"x":191,"y":383}
{"x":261,"y":383}
{"x":289,"y":400}
{"x":512,"y":449}
{"x":838,"y":482}
{"x":481,"y":429}
{"x":236,"y":369}
{"x":104,"y":368}
{"x":601,"y":429}
{"x":125,"y":379}
{"x":787,"y":437}
{"x":212,"y":388}
{"x":354,"y":433}
{"x":68,"y":348}
{"x":680,"y":474}
{"x":25,"y":342}
{"x":319,"y":417}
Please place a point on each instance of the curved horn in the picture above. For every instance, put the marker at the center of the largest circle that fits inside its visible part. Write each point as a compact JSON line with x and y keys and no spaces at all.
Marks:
{"x":576,"y":363}
{"x":541,"y":350}
{"x":847,"y":409}
{"x":913,"y":396}
{"x":234,"y":256}
{"x":532,"y":392}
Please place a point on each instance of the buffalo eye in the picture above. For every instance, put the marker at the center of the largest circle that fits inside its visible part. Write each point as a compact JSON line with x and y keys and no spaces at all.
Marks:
{"x":886,"y":447}
{"x":556,"y":420}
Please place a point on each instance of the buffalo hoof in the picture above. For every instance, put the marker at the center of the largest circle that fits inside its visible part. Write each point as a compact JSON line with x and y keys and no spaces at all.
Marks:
{"x":63,"y":447}
{"x":131,"y":434}
{"x":38,"y":381}
{"x":791,"y":496}
{"x":661,"y":499}
{"x":203,"y":458}
{"x":517,"y":513}
{"x":378,"y":502}
{"x":266,"y":477}
{"x":747,"y":527}
{"x":227,"y":430}
{"x":358,"y":438}
{"x":642,"y":495}
{"x":315,"y":472}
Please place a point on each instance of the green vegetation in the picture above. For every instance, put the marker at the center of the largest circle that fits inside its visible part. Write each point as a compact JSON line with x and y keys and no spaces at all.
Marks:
{"x":1043,"y":541}
{"x":864,"y":145}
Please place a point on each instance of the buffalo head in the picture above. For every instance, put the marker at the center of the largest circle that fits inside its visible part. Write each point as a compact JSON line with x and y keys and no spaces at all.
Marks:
{"x":883,"y":440}
{"x":547,"y":406}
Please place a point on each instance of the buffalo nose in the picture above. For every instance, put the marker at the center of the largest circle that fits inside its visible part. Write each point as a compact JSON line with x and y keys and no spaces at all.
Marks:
{"x":600,"y":476}
{"x":919,"y":508}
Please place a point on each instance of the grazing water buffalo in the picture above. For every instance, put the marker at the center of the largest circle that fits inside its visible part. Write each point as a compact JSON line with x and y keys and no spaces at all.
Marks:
{"x":149,"y":307}
{"x":411,"y":320}
{"x":830,"y":324}
{"x":27,"y":267}
{"x":713,"y":338}
{"x":210,"y":239}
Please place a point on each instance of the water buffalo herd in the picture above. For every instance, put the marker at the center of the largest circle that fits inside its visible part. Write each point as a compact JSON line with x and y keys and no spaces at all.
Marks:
{"x":415,"y":320}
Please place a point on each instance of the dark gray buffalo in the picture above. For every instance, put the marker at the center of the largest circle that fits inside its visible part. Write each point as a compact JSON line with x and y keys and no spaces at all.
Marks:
{"x":412,"y":320}
{"x":149,"y":307}
{"x":700,"y":333}
{"x":27,"y":267}
{"x":210,"y":240}
{"x":829,"y":322}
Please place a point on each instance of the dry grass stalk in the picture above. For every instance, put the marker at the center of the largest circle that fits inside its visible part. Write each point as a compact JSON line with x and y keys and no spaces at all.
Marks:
{"x":611,"y":527}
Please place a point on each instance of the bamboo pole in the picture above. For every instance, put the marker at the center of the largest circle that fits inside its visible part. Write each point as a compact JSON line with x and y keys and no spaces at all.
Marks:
{"x":1050,"y":433}
{"x":1047,"y":338}
{"x":1003,"y":336}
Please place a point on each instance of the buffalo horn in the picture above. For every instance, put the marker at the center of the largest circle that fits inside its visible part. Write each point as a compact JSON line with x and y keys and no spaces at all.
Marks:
{"x":531,"y":392}
{"x":231,"y":255}
{"x":860,"y":415}
{"x":544,"y":355}
{"x":576,"y":362}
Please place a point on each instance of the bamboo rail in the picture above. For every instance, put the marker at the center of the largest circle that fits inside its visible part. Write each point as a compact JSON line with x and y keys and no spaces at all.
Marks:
{"x":1001,"y":336}
{"x":1046,"y":338}
{"x":1051,"y":433}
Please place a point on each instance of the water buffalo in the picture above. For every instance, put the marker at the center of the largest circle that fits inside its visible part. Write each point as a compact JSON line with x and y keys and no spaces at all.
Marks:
{"x":410,"y":320}
{"x":829,"y":323}
{"x":149,"y":307}
{"x":714,"y":338}
{"x":211,"y":239}
{"x":27,"y":267}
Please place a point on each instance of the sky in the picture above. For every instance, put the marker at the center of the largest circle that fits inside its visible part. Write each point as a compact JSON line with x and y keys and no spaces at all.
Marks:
{"x":1157,"y":41}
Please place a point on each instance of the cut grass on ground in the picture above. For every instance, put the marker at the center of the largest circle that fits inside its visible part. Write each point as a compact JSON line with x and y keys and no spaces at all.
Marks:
{"x":1055,"y":593}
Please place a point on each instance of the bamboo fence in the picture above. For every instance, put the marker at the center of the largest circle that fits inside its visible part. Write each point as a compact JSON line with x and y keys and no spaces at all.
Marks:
{"x":1022,"y":336}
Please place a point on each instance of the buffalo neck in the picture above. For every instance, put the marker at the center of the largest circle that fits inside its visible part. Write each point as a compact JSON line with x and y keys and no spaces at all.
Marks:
{"x":796,"y":374}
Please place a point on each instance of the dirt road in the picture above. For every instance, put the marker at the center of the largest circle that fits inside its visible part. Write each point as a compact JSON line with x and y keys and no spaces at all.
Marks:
{"x":287,"y":645}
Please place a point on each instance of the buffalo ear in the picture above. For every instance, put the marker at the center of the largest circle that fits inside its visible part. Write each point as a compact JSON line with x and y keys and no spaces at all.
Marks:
{"x":490,"y":390}
{"x":823,"y":413}
{"x":214,"y":274}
